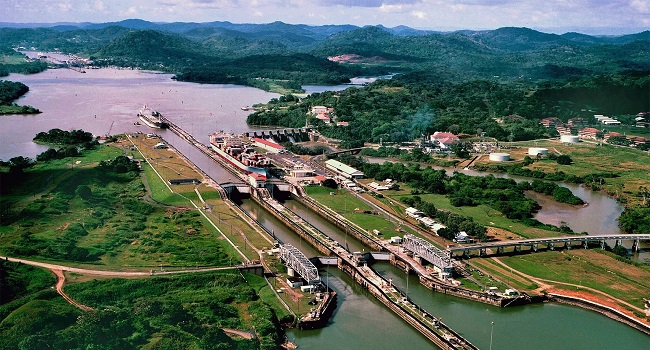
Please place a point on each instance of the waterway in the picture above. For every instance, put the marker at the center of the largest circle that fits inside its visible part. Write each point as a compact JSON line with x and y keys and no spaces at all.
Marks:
{"x":108,"y":99}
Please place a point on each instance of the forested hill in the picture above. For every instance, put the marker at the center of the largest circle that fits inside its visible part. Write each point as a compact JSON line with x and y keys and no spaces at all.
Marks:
{"x":227,"y":52}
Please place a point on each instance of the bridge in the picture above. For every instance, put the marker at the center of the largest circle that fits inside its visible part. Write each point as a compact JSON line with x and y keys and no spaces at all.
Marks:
{"x":550,"y":243}
{"x":425,"y":250}
{"x":297,"y":261}
{"x":351,"y":151}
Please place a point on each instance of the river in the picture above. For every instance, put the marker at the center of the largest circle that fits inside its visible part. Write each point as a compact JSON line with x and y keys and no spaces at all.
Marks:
{"x":106,"y":100}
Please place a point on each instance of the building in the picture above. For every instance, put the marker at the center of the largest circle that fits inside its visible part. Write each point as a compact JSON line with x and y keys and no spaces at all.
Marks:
{"x":606,"y":120}
{"x":444,"y":139}
{"x":642,"y":120}
{"x":268,"y":145}
{"x":463,"y":237}
{"x":606,"y":136}
{"x":316,"y":110}
{"x":577,"y":122}
{"x":377,"y":187}
{"x":589,"y":133}
{"x":551,"y":122}
{"x":414,"y":213}
{"x":257,"y":180}
{"x":343,"y":169}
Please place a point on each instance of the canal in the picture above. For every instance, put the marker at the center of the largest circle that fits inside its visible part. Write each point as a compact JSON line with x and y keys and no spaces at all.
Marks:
{"x":106,"y":100}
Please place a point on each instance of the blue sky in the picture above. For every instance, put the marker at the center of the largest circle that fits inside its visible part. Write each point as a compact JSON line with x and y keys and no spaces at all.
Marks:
{"x":587,"y":16}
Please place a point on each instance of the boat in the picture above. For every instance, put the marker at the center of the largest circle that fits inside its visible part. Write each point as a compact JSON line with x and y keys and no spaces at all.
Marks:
{"x":318,"y":316}
{"x":151,"y":118}
{"x":239,"y":153}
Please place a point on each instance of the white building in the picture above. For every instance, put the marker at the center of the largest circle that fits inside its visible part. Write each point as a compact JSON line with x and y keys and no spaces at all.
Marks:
{"x":343,"y":169}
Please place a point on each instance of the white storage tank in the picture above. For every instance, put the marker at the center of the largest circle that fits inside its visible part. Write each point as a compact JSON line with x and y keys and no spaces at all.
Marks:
{"x":499,"y":157}
{"x":533,"y":151}
{"x":569,"y":139}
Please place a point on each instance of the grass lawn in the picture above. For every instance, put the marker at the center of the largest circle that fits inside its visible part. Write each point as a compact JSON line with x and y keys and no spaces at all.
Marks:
{"x":631,"y":165}
{"x":355,"y":210}
{"x":588,"y":268}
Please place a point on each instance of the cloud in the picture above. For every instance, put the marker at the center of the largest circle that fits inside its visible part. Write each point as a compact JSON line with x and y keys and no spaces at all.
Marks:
{"x":640,"y":5}
{"x":391,"y":8}
{"x":419,"y":14}
{"x":368,"y":3}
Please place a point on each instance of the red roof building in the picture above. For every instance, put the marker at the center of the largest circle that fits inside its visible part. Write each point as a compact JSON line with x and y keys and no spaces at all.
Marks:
{"x":268,"y":145}
{"x":589,"y":133}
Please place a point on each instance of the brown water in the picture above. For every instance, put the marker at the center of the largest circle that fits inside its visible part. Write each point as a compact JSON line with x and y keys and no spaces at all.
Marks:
{"x":104,"y":100}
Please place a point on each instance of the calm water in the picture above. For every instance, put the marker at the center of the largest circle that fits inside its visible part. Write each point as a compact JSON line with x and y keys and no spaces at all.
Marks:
{"x":525,"y":328}
{"x":103,"y":100}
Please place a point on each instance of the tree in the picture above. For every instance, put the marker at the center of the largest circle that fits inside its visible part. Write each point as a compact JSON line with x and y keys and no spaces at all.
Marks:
{"x":564,"y":160}
{"x":620,"y":251}
{"x":84,"y":192}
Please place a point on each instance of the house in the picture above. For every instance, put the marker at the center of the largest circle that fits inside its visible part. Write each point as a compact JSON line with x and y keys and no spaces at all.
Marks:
{"x":635,"y":141}
{"x":316,"y":110}
{"x":551,"y":122}
{"x":589,"y":133}
{"x":444,"y":139}
{"x":324,"y":117}
{"x":577,"y":122}
{"x":611,"y":134}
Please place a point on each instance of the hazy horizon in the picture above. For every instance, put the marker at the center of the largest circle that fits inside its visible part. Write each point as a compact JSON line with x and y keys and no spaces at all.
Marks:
{"x":595,"y":17}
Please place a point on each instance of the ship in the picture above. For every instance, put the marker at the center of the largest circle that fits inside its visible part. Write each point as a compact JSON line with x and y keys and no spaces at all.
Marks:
{"x":151,"y":118}
{"x":237,"y":152}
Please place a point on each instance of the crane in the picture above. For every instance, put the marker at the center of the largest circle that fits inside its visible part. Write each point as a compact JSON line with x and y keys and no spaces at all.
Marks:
{"x":108,"y":134}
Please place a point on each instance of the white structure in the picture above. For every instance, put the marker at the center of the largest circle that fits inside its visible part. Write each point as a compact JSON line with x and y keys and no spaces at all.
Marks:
{"x":569,"y":139}
{"x":377,"y":187}
{"x":534,"y":151}
{"x":499,"y":157}
{"x":343,"y":169}
{"x":414,"y":213}
{"x":268,"y":145}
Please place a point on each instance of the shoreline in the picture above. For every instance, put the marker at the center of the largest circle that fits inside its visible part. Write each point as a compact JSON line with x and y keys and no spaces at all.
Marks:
{"x":604,"y":310}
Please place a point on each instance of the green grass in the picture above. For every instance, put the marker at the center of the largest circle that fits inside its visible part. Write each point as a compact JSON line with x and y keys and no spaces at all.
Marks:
{"x":353,"y":209}
{"x":588,"y":269}
{"x":632,"y":166}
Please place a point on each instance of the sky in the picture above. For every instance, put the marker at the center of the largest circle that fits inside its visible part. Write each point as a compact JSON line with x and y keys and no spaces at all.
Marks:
{"x":557,"y":16}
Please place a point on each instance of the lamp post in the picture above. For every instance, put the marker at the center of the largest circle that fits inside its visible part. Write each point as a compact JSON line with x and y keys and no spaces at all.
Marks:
{"x":491,"y":332}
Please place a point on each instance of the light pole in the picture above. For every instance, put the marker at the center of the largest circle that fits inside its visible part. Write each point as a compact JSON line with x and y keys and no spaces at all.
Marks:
{"x":491,"y":332}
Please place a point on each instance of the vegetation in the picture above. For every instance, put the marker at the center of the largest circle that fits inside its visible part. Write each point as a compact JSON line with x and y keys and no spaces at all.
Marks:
{"x":10,"y":91}
{"x":61,"y":137}
{"x":96,"y":211}
{"x":188,"y":311}
{"x":18,"y":281}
